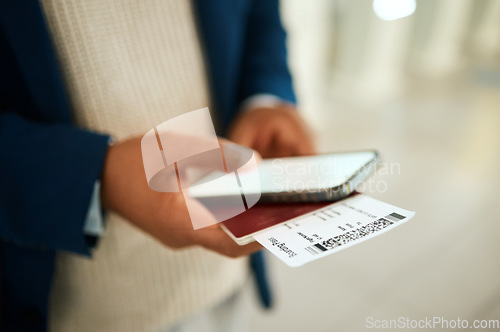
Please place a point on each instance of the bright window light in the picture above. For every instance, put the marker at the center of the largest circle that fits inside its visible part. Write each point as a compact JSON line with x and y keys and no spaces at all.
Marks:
{"x":390,"y":10}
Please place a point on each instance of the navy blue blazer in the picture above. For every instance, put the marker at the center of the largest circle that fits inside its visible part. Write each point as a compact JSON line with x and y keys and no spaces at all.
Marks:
{"x":48,"y":166}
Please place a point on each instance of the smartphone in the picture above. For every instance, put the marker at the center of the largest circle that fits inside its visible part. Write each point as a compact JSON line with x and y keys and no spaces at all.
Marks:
{"x":289,"y":188}
{"x":320,"y":178}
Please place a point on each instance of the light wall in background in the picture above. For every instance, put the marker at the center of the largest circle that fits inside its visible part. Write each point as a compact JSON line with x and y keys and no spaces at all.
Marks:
{"x":341,"y":50}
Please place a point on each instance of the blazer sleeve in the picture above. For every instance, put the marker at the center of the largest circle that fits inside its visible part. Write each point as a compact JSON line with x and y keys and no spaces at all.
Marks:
{"x":264,"y":66}
{"x":47,"y":176}
{"x":48,"y":167}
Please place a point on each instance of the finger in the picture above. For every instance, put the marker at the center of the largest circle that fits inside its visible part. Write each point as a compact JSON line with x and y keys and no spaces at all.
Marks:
{"x":305,"y":146}
{"x":297,"y":141}
{"x":199,"y":214}
{"x":242,"y":135}
{"x":216,"y":239}
{"x":286,"y":143}
{"x":263,"y":141}
{"x":234,"y":250}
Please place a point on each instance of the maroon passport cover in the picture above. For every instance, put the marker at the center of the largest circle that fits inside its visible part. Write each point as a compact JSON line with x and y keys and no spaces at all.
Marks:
{"x":264,"y":215}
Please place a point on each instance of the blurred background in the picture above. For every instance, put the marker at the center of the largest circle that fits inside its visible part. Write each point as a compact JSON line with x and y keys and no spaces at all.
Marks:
{"x":420,"y":82}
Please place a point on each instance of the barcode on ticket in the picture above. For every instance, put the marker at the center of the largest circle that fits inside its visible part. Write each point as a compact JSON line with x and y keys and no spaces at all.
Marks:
{"x":370,"y":228}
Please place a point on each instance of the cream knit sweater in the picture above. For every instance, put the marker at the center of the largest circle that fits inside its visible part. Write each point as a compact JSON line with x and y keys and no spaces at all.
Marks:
{"x":129,"y":65}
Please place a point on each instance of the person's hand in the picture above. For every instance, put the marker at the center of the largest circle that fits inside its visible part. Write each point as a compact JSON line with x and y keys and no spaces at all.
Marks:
{"x":273,"y":132}
{"x":162,"y":215}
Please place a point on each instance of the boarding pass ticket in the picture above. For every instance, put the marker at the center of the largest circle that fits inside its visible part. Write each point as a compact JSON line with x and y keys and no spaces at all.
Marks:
{"x":332,"y":228}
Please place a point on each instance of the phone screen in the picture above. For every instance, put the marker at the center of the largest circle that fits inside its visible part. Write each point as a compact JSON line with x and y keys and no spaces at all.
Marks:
{"x":295,"y":174}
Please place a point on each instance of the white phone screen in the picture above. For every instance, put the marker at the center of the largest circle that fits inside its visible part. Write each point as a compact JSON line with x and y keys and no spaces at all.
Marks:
{"x":294,"y":174}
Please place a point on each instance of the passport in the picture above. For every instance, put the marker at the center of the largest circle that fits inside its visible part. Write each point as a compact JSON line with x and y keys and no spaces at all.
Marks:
{"x":261,"y":216}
